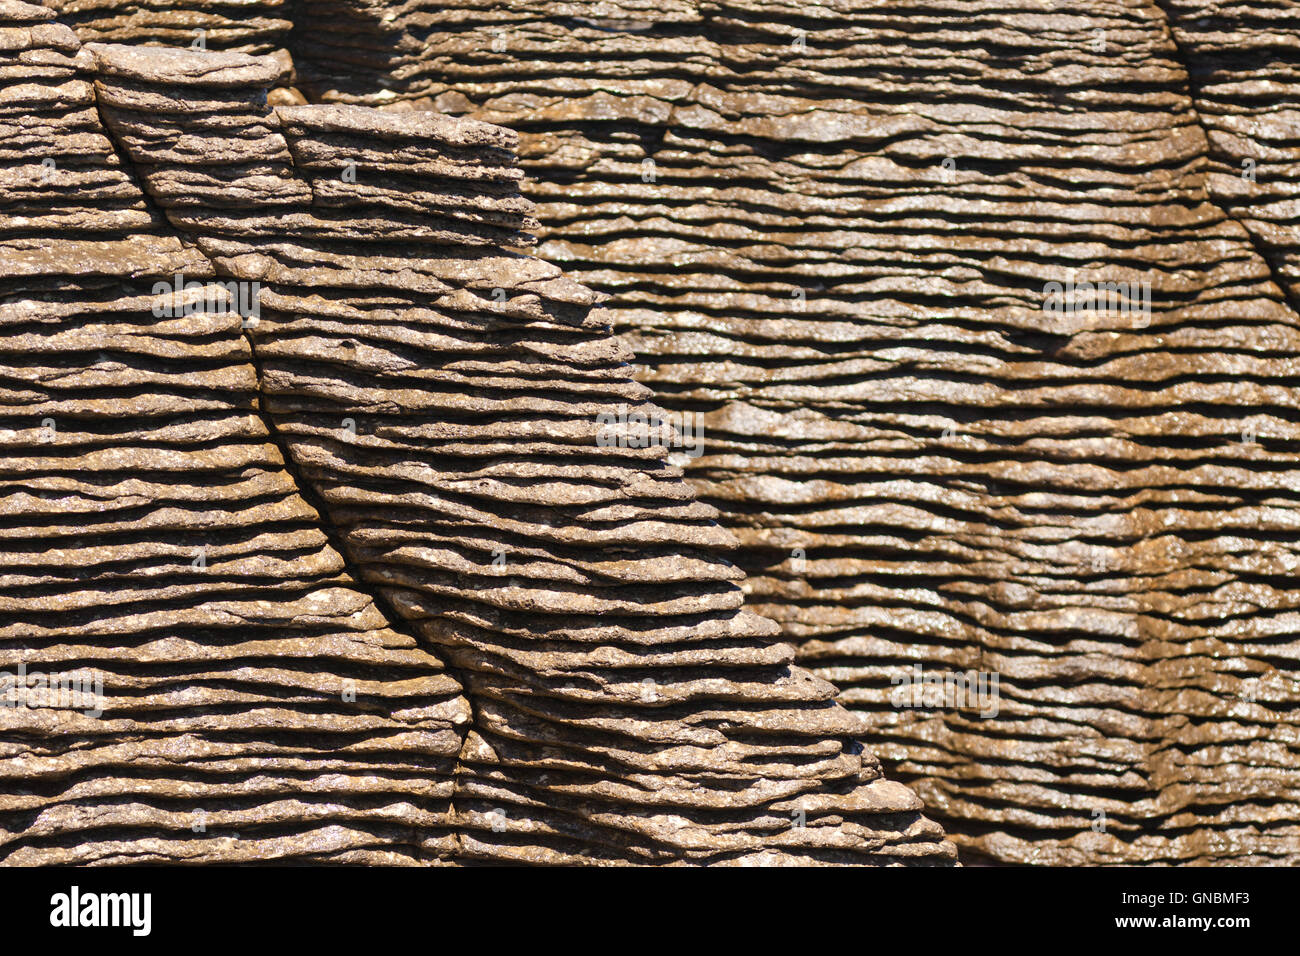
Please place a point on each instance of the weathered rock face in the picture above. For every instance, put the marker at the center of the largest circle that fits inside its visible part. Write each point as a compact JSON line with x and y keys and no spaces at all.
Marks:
{"x":829,"y":232}
{"x":458,"y":415}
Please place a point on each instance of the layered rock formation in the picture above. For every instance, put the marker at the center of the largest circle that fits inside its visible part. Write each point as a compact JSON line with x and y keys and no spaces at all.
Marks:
{"x":829,"y":232}
{"x":458,"y":415}
{"x":259,"y":27}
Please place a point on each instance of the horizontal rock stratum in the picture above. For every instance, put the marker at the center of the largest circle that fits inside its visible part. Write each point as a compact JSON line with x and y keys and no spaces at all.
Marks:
{"x":305,"y":465}
{"x":982,"y":315}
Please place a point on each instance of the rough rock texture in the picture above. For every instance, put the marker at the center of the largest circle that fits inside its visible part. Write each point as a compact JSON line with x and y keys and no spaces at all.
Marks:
{"x":254,"y":27}
{"x":438,"y":393}
{"x":827,"y":230}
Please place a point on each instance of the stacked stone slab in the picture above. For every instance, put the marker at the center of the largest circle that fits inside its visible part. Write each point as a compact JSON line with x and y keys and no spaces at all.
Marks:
{"x":259,"y":27}
{"x":828,"y":232}
{"x":243,"y":699}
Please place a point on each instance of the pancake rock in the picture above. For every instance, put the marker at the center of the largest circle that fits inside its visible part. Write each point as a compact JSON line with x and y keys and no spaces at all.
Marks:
{"x":471,"y":613}
{"x":993,"y":350}
{"x":257,"y":27}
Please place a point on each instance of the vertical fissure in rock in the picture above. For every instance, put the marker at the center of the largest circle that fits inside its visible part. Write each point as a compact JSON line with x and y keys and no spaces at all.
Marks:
{"x":1268,"y":254}
{"x":304,"y":487}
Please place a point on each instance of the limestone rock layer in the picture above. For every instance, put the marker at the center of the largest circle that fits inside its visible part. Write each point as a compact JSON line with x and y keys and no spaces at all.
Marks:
{"x":344,"y":497}
{"x":829,"y":233}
